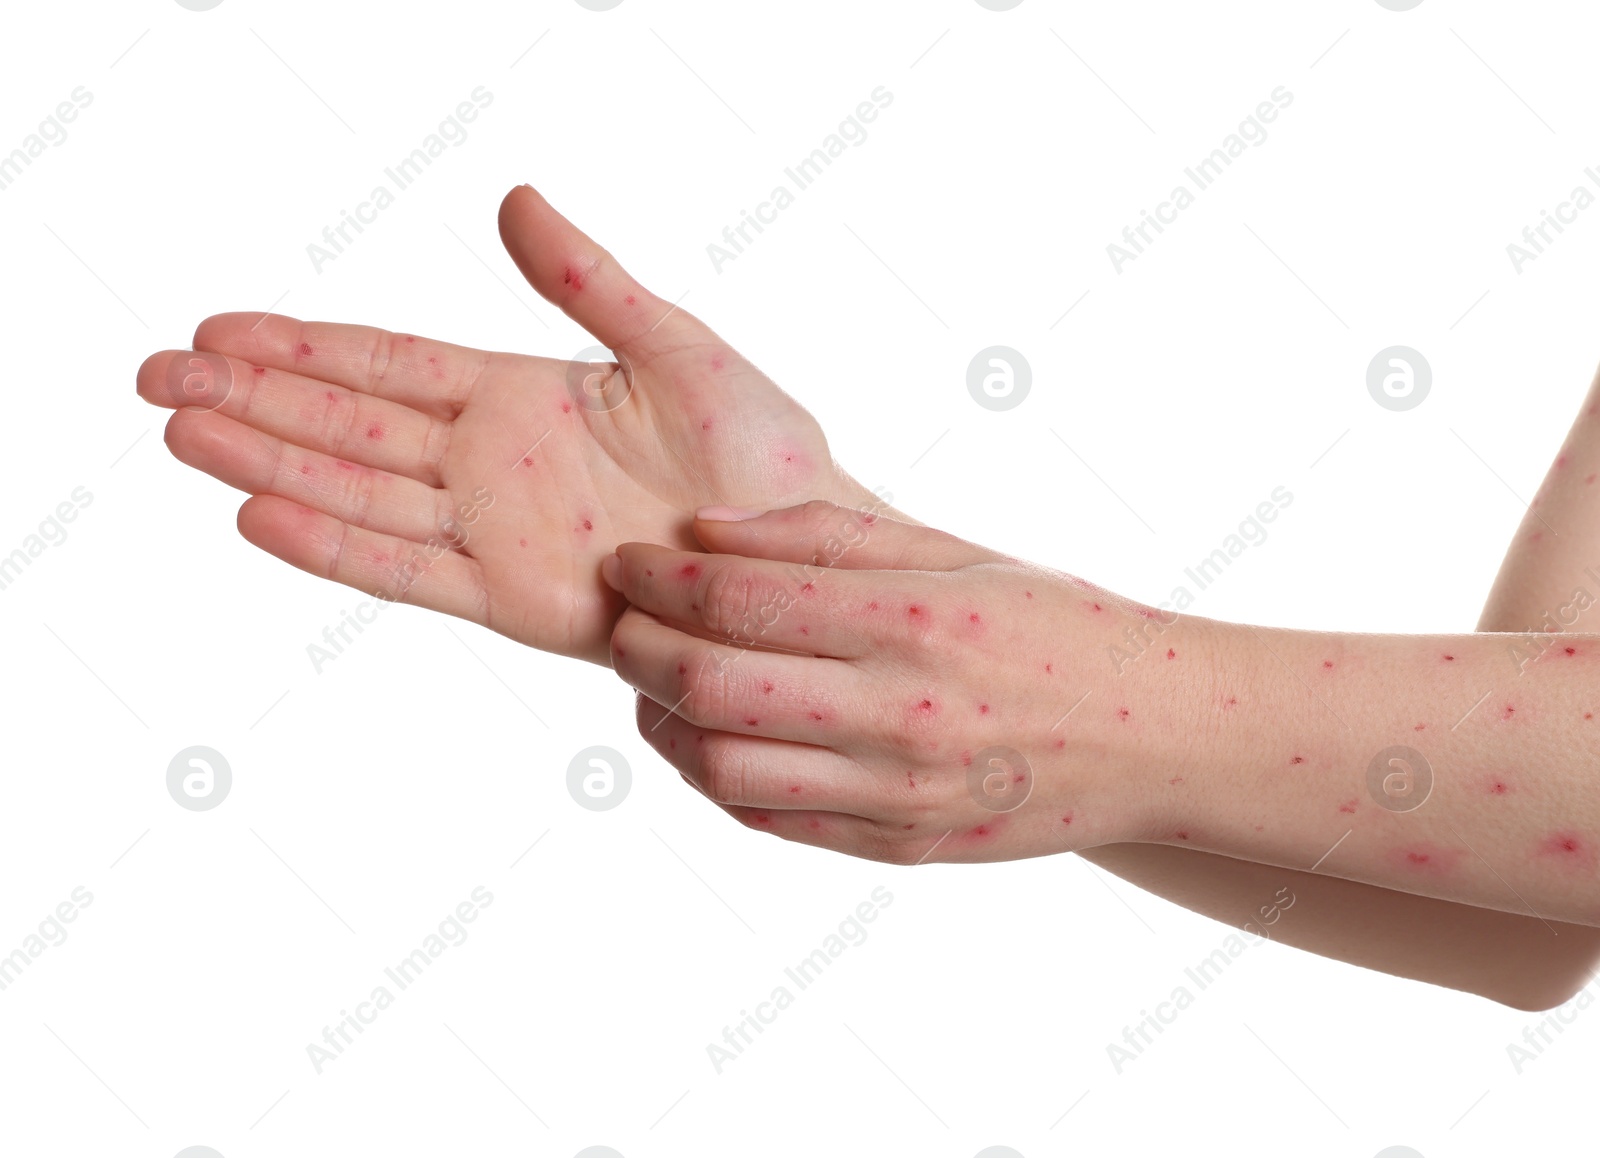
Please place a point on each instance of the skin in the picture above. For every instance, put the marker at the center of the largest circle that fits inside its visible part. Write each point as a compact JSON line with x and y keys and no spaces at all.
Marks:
{"x":359,"y":445}
{"x":1245,"y":742}
{"x":296,"y":432}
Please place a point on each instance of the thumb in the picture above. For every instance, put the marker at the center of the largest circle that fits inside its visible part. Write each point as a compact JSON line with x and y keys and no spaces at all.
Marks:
{"x":571,"y":271}
{"x":827,"y":535}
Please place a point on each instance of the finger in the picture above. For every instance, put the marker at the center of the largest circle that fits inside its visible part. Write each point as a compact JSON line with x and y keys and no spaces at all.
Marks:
{"x":751,"y":602}
{"x":261,"y":464}
{"x":760,"y":772}
{"x":435,"y":378}
{"x":732,"y":689}
{"x":332,"y":419}
{"x":571,"y":271}
{"x":827,"y":535}
{"x":424,"y":574}
{"x":836,"y":832}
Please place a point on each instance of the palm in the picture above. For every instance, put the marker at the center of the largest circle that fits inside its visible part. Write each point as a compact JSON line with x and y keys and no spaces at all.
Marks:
{"x":368,"y":453}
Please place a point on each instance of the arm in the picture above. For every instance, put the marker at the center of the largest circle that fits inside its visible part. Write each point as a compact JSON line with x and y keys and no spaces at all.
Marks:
{"x":1243,"y":742}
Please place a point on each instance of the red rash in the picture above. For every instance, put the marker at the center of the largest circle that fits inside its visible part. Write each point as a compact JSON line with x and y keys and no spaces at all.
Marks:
{"x":1298,"y":760}
{"x":522,"y":542}
{"x":716,"y":362}
{"x":1327,"y":663}
{"x":566,"y":408}
{"x":305,"y":350}
{"x":1569,"y":848}
{"x":629,"y":299}
{"x":1589,"y":479}
{"x":343,"y":465}
{"x":766,"y":687}
{"x":1181,"y":835}
{"x":973,"y":618}
{"x":1061,"y":743}
{"x":1029,"y":594}
{"x":1048,"y":669}
{"x":1426,"y":858}
{"x":873,"y":606}
{"x":410,"y":338}
{"x":1510,"y":711}
{"x":983,"y":709}
{"x":706,"y":425}
{"x":527,"y":462}
{"x":1498,"y":788}
{"x":1067,"y":819}
{"x":926,"y":706}
{"x":375,"y":432}
{"x":817,"y":716}
{"x":689,"y":570}
{"x":1171,"y":654}
{"x":763,"y":820}
{"x":1348,"y":807}
{"x":751,"y":721}
{"x":1572,"y":651}
{"x":263,"y":370}
{"x":1122,"y":713}
{"x":914,"y":611}
{"x":573,"y":278}
{"x":683,"y":669}
{"x":1449,"y":658}
{"x":794,"y":788}
{"x":587,"y":525}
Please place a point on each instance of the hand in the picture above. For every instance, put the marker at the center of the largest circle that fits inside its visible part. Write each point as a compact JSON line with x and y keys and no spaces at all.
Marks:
{"x":483,"y":485}
{"x":880,"y":689}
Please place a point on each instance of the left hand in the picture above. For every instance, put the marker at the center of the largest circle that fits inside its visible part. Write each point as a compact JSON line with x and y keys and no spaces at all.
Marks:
{"x":881,"y":689}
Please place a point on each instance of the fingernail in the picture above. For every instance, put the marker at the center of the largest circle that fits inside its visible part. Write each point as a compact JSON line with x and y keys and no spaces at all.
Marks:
{"x":611,"y":571}
{"x":726,"y":514}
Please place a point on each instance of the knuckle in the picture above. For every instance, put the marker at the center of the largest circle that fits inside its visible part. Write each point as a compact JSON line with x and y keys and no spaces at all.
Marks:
{"x":727,"y":599}
{"x":705,"y":696}
{"x":725,"y":771}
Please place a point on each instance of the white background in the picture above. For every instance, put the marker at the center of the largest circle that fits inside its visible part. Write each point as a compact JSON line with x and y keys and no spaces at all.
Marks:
{"x":370,"y":799}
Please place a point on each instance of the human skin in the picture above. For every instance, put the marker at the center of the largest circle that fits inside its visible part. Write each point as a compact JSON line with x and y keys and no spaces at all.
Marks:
{"x":1247,"y":742}
{"x":359,"y":446}
{"x":343,"y":505}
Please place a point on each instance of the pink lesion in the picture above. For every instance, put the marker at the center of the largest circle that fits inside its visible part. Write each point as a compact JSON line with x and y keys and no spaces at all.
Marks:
{"x":1569,"y":849}
{"x":1426,"y":857}
{"x":1348,"y":807}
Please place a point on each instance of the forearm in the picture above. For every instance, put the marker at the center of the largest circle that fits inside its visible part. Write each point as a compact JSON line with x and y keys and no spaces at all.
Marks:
{"x":1275,"y":746}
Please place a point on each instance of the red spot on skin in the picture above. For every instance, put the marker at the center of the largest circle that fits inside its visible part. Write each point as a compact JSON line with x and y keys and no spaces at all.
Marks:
{"x":375,"y":432}
{"x":1588,"y":715}
{"x":763,"y":820}
{"x":925,"y":706}
{"x":305,"y":468}
{"x":410,"y":338}
{"x":433,"y":361}
{"x":1429,"y":858}
{"x":1097,"y":607}
{"x":522,"y":542}
{"x":1048,"y":669}
{"x":873,"y":606}
{"x":706,"y":425}
{"x":816,"y":716}
{"x":1327,"y":663}
{"x":629,"y":299}
{"x":716,"y":361}
{"x":650,"y":574}
{"x":973,"y":618}
{"x":815,"y":823}
{"x":914,"y":611}
{"x":1122,"y":713}
{"x":573,"y":277}
{"x":1176,"y":780}
{"x":329,"y":395}
{"x":527,"y":462}
{"x":788,"y":458}
{"x":808,"y":587}
{"x":1569,"y":848}
{"x":566,"y":408}
{"x":1509,"y":712}
{"x":1572,"y":651}
{"x":983,"y":709}
{"x":341,"y":464}
{"x":751,"y":721}
{"x":1498,"y":788}
{"x":911,"y":781}
{"x":1029,"y":594}
{"x":966,"y":759}
{"x":1067,"y":819}
{"x":305,"y":350}
{"x":1561,"y":461}
{"x":587,"y":525}
{"x":1061,"y":743}
{"x":766,"y":687}
{"x":672,"y":743}
{"x":263,"y":370}
{"x":1449,"y":658}
{"x":1298,"y":760}
{"x":804,"y":630}
{"x":794,"y":788}
{"x":1018,"y":778}
{"x":1536,"y":536}
{"x":689,"y":570}
{"x":981,"y":830}
{"x":1231,"y":703}
{"x":683,"y":669}
{"x":1348,"y":807}
{"x":1181,"y":835}
{"x":908,"y":827}
{"x":1589,"y":479}
{"x":618,"y":649}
